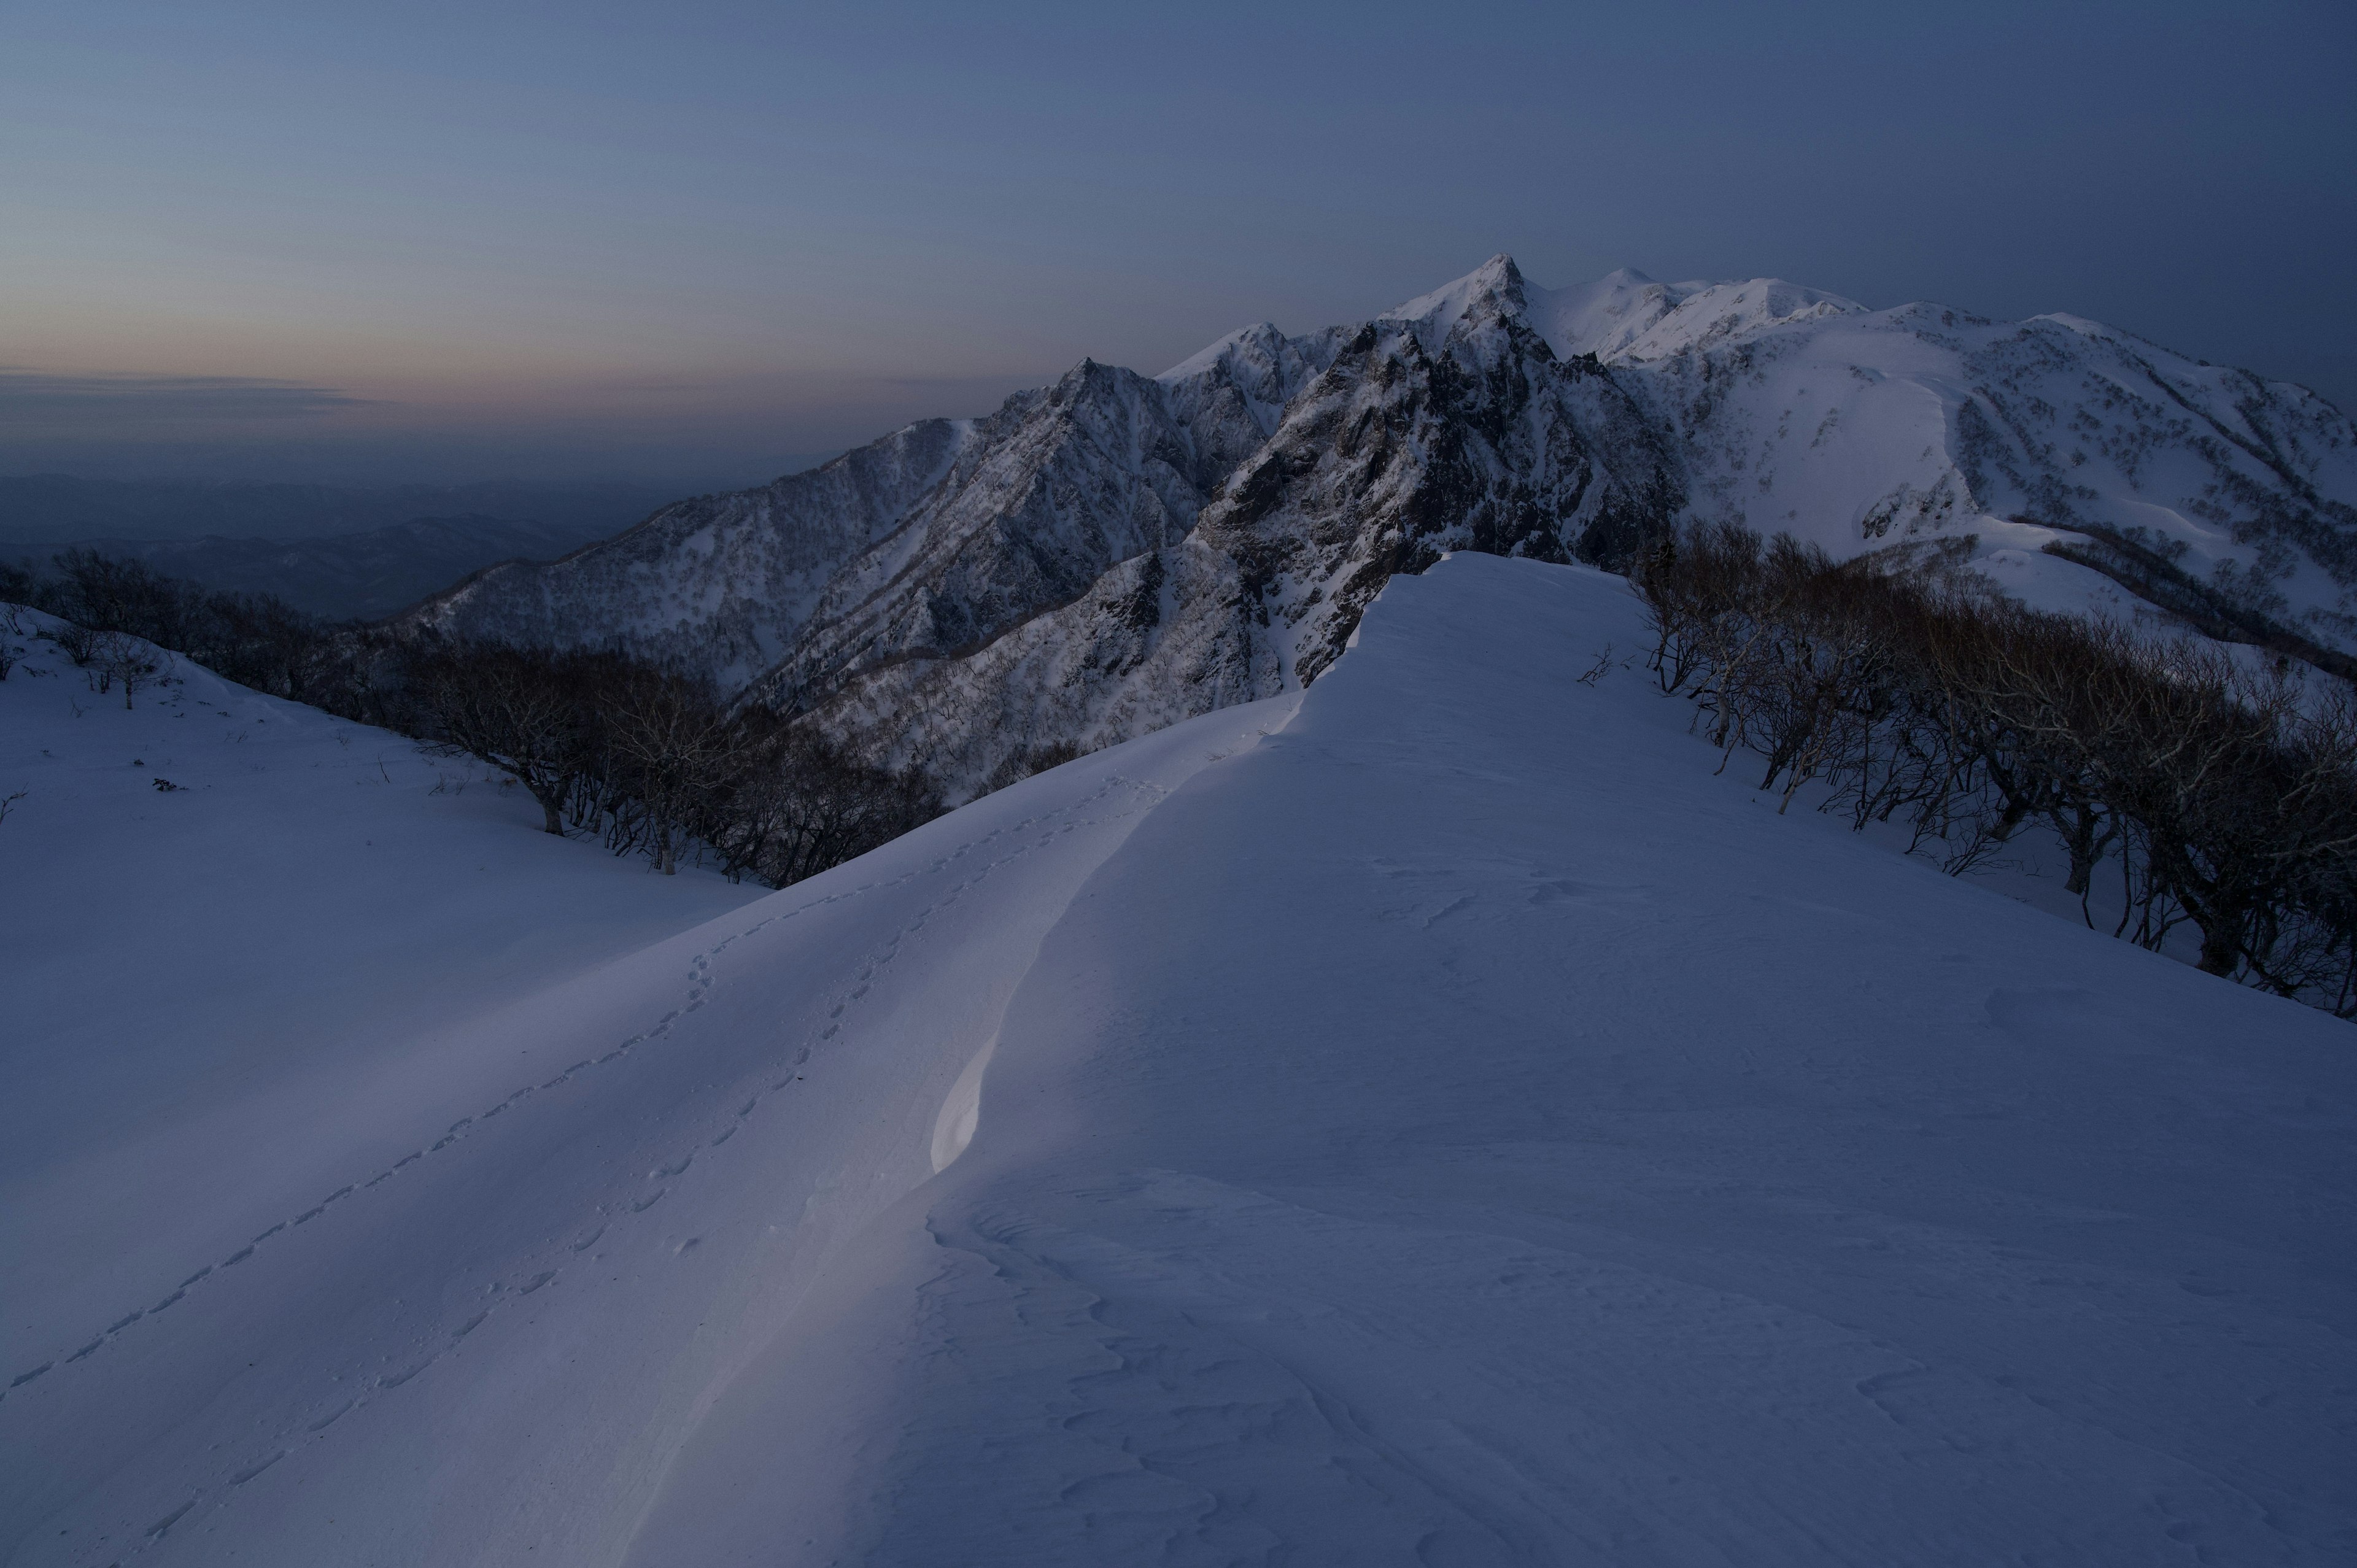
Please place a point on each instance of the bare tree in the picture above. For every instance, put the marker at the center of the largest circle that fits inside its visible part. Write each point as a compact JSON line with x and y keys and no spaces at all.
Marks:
{"x":117,"y":656}
{"x":518,"y":710}
{"x":2227,"y":799}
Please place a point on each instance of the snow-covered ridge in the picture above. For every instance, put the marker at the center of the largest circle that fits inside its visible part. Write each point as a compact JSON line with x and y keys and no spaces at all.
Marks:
{"x":1113,"y":551}
{"x":1623,"y":315}
{"x":1428,"y":1117}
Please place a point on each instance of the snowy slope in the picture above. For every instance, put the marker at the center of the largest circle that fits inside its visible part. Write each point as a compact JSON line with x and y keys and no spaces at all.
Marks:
{"x":1426,"y":1119}
{"x":215,"y":991}
{"x":720,"y":584}
{"x":1857,"y":429}
{"x":928,"y":543}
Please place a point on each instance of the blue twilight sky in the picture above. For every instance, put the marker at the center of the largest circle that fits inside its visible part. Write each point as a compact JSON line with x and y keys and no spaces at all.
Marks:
{"x":693,"y":242}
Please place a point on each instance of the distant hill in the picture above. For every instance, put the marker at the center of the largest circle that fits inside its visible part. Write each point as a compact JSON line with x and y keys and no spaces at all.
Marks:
{"x":362,"y":576}
{"x":47,"y":507}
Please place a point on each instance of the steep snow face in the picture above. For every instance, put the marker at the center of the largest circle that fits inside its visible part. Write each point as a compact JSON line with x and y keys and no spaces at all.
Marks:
{"x":1260,"y":367}
{"x":1701,"y":315}
{"x":1427,"y":1118}
{"x":1456,"y":428}
{"x":1494,"y":288}
{"x":1160,"y":637}
{"x":1605,"y":316}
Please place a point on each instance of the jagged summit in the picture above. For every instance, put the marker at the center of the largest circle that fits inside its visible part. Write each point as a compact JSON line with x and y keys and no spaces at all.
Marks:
{"x":1258,"y":340}
{"x":1495,"y":288}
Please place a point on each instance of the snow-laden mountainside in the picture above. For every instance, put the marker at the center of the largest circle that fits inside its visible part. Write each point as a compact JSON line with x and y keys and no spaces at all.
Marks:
{"x":1427,"y":1118}
{"x":1109,"y":552}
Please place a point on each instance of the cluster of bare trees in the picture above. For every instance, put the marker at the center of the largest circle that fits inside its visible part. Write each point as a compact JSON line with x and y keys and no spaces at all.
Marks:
{"x":2218,"y":792}
{"x":648,"y":761}
{"x":652,"y":762}
{"x":251,"y":638}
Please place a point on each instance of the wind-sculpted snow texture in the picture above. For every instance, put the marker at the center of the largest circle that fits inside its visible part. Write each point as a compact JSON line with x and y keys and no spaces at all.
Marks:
{"x":1429,"y":1119}
{"x":1158,"y":548}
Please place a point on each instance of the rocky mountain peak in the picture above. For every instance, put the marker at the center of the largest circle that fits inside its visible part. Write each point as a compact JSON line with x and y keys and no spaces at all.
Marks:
{"x":1490,"y":293}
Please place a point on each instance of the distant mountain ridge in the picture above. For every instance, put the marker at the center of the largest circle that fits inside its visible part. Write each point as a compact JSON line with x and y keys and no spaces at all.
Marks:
{"x":1110,"y":553}
{"x":359,"y":576}
{"x":46,"y":507}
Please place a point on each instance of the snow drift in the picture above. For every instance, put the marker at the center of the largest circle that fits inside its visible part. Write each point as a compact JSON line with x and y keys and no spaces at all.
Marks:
{"x":1428,"y":1119}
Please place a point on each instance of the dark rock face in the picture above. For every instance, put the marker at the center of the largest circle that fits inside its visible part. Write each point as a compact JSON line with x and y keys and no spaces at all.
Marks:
{"x":1414,"y":444}
{"x":1111,"y":554}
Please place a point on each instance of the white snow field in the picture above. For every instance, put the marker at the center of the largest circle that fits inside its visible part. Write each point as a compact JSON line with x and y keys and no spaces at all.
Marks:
{"x":1426,"y":1120}
{"x":221,"y":992}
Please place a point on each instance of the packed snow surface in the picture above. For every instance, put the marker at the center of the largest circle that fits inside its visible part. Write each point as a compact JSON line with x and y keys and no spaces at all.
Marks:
{"x":1428,"y":1119}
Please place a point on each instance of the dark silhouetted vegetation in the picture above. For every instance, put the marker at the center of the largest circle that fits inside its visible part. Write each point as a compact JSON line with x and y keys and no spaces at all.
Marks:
{"x":645,"y":761}
{"x":2219,"y":795}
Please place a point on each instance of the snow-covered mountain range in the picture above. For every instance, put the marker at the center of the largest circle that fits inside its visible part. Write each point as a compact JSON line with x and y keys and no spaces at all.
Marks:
{"x":1110,"y":553}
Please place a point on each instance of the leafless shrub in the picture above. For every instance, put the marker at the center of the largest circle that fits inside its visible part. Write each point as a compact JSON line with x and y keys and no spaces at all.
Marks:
{"x":653,"y":762}
{"x":117,"y":658}
{"x":1028,"y":761}
{"x":79,"y":643}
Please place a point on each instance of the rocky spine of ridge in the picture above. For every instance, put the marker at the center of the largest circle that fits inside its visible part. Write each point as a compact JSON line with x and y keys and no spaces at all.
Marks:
{"x":1416,"y":439}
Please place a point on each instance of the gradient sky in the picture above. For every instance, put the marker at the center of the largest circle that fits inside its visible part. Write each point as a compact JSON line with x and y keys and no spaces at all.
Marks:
{"x":695,"y":241}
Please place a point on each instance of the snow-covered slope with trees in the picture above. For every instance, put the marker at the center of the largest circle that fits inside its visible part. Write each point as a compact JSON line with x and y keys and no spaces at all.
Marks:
{"x":219,"y":989}
{"x":1427,"y":1118}
{"x":1111,"y":553}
